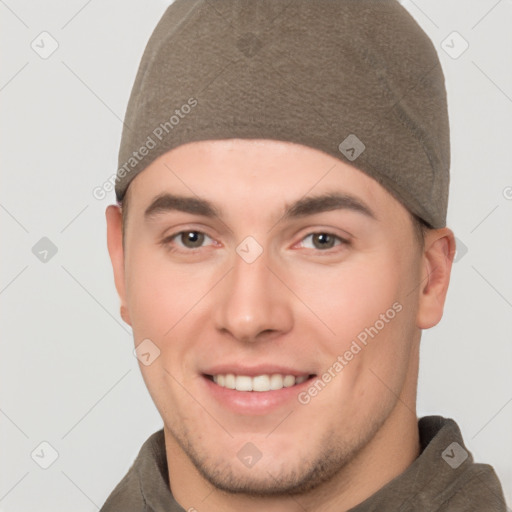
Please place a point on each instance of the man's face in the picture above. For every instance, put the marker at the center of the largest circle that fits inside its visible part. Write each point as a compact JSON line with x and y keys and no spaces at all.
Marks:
{"x":255,"y":292}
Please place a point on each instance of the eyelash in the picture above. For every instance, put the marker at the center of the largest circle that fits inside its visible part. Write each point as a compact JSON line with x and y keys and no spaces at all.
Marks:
{"x":166,"y":242}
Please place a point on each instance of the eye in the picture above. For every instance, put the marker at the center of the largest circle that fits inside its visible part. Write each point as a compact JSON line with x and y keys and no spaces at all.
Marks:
{"x":323,"y":240}
{"x":189,"y":239}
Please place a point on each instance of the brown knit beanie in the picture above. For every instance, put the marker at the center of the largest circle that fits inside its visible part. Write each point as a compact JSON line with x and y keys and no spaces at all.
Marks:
{"x":357,"y":79}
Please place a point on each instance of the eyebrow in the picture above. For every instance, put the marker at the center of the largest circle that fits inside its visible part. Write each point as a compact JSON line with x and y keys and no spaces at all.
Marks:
{"x":169,"y":202}
{"x":166,"y":202}
{"x":325,"y":203}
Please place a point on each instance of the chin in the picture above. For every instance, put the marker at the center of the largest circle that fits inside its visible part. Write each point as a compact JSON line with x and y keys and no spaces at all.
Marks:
{"x":258,"y":469}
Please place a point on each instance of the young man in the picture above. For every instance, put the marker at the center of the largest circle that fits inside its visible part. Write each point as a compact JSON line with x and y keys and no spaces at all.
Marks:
{"x":280,"y":244}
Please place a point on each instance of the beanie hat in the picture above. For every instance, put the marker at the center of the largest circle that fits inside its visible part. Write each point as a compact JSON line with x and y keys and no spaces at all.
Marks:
{"x":357,"y":79}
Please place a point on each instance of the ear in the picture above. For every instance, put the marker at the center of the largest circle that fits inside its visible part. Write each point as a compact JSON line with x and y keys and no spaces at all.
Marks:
{"x":437,"y":265}
{"x":115,"y":249}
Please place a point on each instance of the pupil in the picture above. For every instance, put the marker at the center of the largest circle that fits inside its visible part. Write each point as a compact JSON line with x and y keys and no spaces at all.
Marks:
{"x":193,"y":237}
{"x":324,"y":237}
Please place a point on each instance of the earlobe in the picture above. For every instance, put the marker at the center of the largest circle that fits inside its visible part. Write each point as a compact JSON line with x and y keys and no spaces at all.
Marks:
{"x":437,"y":263}
{"x":115,"y":248}
{"x":125,"y":315}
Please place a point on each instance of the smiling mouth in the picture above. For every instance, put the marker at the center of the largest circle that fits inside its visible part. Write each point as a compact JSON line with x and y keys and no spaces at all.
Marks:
{"x":258,"y":383}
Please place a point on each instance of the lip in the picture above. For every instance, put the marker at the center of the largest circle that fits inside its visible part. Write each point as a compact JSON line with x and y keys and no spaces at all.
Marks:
{"x":255,"y":402}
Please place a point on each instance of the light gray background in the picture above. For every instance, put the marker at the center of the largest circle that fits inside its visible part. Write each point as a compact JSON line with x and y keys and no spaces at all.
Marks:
{"x":68,"y":375}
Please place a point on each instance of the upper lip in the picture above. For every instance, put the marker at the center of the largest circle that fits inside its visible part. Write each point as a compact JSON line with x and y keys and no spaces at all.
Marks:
{"x":252,"y":371}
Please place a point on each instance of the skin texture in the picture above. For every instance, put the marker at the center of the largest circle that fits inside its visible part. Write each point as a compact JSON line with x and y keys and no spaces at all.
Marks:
{"x":298,"y":304}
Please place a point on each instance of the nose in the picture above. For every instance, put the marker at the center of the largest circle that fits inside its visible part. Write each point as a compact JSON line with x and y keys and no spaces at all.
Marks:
{"x":253,"y":303}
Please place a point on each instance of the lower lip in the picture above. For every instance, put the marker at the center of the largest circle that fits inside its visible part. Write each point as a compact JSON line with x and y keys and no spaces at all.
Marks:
{"x":254,"y":402}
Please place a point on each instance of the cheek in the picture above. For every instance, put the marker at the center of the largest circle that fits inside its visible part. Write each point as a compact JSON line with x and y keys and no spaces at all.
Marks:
{"x":159,"y":293}
{"x":367,"y":308}
{"x":352,"y":297}
{"x":159,"y":297}
{"x":380,"y":321}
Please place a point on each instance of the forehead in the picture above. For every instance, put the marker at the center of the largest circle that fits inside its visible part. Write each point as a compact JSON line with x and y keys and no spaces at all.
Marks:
{"x":254,"y":174}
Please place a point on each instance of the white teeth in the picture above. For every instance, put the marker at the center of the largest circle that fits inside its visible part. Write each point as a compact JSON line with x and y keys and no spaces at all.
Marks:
{"x":243,"y":383}
{"x":288,"y":381}
{"x":276,"y":381}
{"x":299,"y":380}
{"x":261,"y":383}
{"x":272,"y":382}
{"x":230,"y":381}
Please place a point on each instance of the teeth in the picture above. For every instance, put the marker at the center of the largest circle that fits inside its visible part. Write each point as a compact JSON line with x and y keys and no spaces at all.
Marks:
{"x":276,"y":382}
{"x":230,"y":381}
{"x":243,"y":383}
{"x":258,"y":383}
{"x":288,"y":381}
{"x":300,"y":380}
